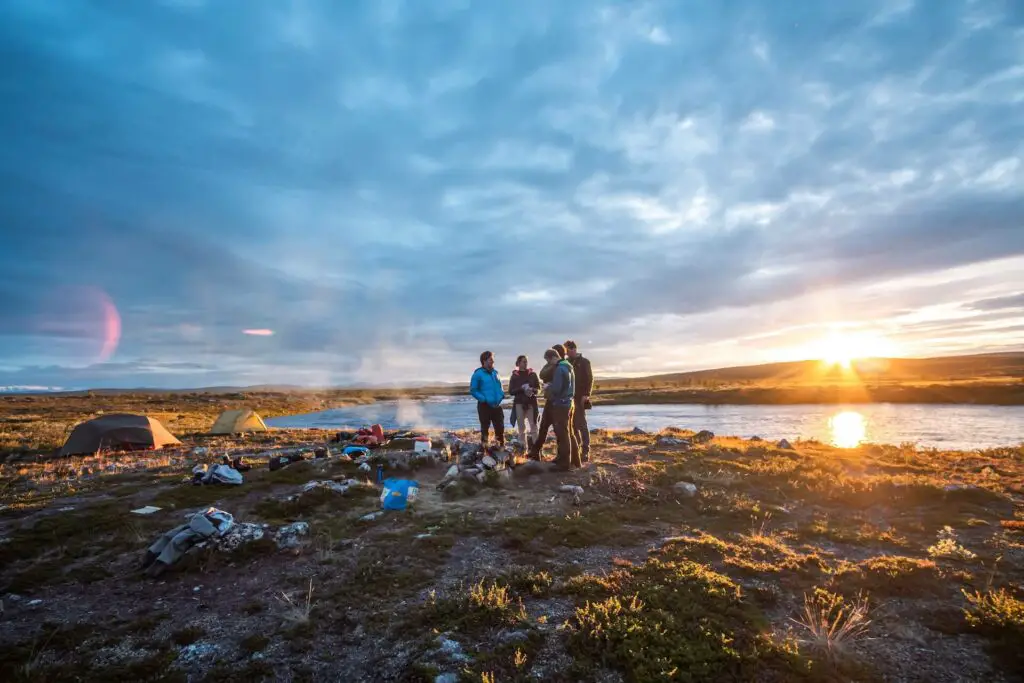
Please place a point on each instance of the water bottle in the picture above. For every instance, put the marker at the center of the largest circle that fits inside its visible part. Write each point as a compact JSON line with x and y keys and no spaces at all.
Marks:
{"x":380,"y":474}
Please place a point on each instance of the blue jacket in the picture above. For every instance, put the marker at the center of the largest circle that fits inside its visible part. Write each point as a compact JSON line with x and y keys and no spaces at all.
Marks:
{"x":486,"y":387}
{"x":563,"y":385}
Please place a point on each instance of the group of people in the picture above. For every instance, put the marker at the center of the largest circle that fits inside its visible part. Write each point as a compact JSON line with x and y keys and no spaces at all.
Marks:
{"x":566,"y":381}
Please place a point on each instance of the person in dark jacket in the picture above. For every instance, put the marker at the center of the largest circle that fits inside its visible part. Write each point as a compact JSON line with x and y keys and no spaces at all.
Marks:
{"x":581,"y":400}
{"x":485,"y":386}
{"x":523,"y":385}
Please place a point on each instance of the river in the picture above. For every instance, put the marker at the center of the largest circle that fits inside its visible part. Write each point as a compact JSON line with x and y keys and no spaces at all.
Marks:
{"x":955,"y":427}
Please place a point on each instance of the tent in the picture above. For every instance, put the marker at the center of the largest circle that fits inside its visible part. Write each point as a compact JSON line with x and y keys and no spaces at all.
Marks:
{"x":235,"y":421}
{"x":118,"y":431}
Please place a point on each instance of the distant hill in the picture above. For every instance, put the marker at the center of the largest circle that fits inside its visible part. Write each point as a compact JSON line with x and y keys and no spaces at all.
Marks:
{"x":985,"y":367}
{"x":988,"y":367}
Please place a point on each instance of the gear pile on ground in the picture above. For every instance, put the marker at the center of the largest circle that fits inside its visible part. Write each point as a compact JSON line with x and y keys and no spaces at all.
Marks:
{"x":472,"y":466}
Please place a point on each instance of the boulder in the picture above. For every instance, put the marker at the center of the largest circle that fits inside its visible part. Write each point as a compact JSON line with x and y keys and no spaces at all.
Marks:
{"x":685,"y":488}
{"x":786,"y":445}
{"x":288,"y":535}
{"x":703,"y":436}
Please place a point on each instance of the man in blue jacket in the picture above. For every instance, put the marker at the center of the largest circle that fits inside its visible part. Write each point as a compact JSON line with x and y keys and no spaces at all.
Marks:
{"x":485,"y":386}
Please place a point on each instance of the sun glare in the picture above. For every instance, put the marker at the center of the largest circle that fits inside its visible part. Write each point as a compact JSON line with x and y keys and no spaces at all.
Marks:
{"x":848,"y":429}
{"x":843,"y":348}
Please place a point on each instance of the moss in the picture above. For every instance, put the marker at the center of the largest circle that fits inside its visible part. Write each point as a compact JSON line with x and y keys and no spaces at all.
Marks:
{"x":598,"y":526}
{"x":677,"y":620}
{"x":473,"y":611}
{"x":892,"y":575}
{"x":187,"y":635}
{"x":999,"y":616}
{"x":233,"y":673}
{"x":253,"y":643}
{"x":306,"y":505}
{"x":527,"y":581}
{"x":68,"y":536}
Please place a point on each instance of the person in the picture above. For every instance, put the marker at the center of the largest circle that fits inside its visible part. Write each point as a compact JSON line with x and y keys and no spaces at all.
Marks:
{"x":558,"y":401}
{"x":524,"y":385}
{"x":545,"y":419}
{"x":485,"y":387}
{"x":584,"y":376}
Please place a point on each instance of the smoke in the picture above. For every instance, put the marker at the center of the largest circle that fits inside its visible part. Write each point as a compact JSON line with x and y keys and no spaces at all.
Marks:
{"x":410,"y":413}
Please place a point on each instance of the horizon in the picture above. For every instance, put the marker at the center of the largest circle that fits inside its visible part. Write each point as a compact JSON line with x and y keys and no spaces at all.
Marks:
{"x":857,"y":365}
{"x":235,"y":194}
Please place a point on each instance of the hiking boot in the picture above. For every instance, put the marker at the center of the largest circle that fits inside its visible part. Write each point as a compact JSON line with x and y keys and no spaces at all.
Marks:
{"x":149,"y":559}
{"x":156,"y":570}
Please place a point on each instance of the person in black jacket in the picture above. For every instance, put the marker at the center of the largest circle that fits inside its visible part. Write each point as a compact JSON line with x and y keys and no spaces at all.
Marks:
{"x":581,"y":399}
{"x":524,"y":386}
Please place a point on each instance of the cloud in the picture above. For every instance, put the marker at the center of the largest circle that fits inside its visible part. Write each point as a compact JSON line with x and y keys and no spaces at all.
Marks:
{"x":391,"y":187}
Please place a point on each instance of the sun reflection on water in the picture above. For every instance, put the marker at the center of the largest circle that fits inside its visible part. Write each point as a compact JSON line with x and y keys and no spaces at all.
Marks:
{"x":848,"y":429}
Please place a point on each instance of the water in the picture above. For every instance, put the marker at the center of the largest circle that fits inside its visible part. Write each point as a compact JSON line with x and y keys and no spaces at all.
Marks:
{"x":956,"y":427}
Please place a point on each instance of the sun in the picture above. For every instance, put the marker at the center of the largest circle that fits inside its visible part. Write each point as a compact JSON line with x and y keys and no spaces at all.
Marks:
{"x":841,"y":348}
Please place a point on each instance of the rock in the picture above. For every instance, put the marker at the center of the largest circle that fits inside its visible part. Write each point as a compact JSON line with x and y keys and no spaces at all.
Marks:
{"x":371,"y":516}
{"x":364,"y":467}
{"x":637,"y":430}
{"x":756,"y":438}
{"x":238,"y":535}
{"x":200,"y":451}
{"x":452,"y":472}
{"x":703,"y":436}
{"x":468,"y":476}
{"x":570,"y":488}
{"x":786,"y":445}
{"x":446,"y":678}
{"x":512,"y":637}
{"x":198,"y":651}
{"x":489,"y":462}
{"x":685,"y":488}
{"x":452,"y":648}
{"x":35,"y":603}
{"x":337,"y":487}
{"x":672,"y":441}
{"x":319,"y":452}
{"x":288,"y":535}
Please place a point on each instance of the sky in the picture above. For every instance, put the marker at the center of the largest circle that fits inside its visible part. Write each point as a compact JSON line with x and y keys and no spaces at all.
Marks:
{"x":238,"y":192}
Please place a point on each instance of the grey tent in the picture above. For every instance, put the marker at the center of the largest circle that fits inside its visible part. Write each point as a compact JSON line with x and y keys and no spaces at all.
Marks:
{"x":119,"y":431}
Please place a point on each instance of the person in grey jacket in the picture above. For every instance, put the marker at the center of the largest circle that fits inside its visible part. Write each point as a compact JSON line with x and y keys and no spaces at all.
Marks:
{"x":559,"y":400}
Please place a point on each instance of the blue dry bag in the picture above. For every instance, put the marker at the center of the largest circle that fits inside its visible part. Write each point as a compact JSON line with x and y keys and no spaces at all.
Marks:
{"x":398,"y":493}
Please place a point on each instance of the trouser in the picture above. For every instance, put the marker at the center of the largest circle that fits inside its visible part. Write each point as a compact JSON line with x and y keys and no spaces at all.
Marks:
{"x":524,"y":413}
{"x":542,"y":432}
{"x":173,"y":545}
{"x":580,"y":429}
{"x":568,"y":450}
{"x":491,"y":415}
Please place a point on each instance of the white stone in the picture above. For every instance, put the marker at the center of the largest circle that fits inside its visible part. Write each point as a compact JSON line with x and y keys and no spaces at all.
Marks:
{"x":685,"y":488}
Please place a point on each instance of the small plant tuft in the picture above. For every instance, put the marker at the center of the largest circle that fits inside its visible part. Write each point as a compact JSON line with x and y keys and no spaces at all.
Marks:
{"x":831,"y":624}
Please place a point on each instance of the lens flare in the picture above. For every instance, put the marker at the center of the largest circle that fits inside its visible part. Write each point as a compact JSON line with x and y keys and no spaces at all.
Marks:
{"x":262,"y":332}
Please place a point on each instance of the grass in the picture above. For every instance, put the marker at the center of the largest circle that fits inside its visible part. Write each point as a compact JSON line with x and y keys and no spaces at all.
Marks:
{"x":999,"y":616}
{"x":473,"y":611}
{"x":674,"y":620}
{"x":892,"y":575}
{"x":831,"y":625}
